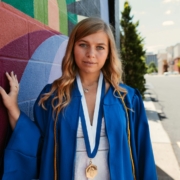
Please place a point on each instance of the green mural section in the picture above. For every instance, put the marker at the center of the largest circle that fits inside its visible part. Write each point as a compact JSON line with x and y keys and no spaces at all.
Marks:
{"x":63,"y":16}
{"x":41,"y":11}
{"x":38,"y":9}
{"x":26,"y":6}
{"x":72,"y":17}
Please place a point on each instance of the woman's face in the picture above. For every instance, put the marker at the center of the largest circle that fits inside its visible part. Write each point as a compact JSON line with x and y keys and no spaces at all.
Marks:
{"x":90,"y":52}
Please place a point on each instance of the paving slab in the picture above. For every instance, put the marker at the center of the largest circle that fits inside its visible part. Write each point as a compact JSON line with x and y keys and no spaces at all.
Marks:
{"x":165,"y":159}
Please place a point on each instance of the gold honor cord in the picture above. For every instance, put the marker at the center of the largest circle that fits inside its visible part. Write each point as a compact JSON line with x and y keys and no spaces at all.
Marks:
{"x":129,"y":135}
{"x":55,"y":150}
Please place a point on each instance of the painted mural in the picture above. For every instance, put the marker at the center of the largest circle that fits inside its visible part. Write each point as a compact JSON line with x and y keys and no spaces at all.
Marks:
{"x":33,"y":39}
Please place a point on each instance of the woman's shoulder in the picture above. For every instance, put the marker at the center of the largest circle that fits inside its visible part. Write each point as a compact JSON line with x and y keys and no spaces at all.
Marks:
{"x":46,"y":88}
{"x":130,"y":90}
{"x":132,"y":93}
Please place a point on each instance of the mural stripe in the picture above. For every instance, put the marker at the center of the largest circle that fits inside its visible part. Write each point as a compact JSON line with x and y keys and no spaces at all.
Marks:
{"x":18,"y":24}
{"x":36,"y":38}
{"x":72,"y":17}
{"x":38,"y":69}
{"x":104,"y":9}
{"x":15,"y":27}
{"x":63,"y":17}
{"x":21,"y":49}
{"x":53,"y":15}
{"x":45,"y":12}
{"x":25,"y":6}
{"x":56,"y":66}
{"x":41,"y":11}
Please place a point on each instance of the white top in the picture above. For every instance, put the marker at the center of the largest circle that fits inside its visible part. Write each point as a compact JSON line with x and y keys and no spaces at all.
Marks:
{"x":91,"y":130}
{"x":100,"y":160}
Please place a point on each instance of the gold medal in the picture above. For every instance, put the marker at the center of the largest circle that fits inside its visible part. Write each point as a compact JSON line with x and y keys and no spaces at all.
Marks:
{"x":91,"y":171}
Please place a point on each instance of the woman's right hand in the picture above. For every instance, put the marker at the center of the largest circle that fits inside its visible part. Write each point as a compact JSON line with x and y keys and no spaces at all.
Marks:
{"x":10,"y":100}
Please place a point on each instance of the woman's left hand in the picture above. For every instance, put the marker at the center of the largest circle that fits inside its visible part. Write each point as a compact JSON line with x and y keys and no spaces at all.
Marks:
{"x":10,"y":99}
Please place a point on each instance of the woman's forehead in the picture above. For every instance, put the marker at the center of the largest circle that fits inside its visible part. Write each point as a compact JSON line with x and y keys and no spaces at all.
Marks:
{"x":98,"y":37}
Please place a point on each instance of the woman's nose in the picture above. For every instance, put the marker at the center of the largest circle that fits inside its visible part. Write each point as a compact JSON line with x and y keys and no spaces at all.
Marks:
{"x":91,"y":52}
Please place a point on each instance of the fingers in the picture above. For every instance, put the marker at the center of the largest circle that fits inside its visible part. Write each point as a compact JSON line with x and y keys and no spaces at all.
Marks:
{"x":16,"y":79}
{"x":8,"y":76}
{"x":13,"y":81}
{"x":11,"y":76}
{"x":3,"y":93}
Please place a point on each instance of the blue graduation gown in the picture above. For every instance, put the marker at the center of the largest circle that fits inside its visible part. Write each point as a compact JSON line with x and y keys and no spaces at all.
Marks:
{"x":30,"y":152}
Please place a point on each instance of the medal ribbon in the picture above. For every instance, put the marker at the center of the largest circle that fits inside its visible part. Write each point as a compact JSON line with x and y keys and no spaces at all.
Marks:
{"x":92,"y":148}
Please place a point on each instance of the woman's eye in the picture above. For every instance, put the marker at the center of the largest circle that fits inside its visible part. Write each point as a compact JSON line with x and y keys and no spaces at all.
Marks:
{"x":83,"y":45}
{"x":100,"y":47}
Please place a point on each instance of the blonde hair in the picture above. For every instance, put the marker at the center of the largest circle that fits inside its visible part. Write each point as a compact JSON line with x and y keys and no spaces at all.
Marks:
{"x":112,"y":69}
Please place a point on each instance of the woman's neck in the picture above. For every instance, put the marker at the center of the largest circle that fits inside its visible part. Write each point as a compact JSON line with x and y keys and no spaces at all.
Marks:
{"x":89,"y":79}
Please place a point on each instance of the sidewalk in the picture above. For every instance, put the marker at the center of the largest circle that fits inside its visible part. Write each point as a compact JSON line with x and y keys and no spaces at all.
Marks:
{"x":166,"y":163}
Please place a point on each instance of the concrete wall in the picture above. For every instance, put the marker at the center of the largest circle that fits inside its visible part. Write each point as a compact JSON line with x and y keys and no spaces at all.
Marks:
{"x":33,"y":38}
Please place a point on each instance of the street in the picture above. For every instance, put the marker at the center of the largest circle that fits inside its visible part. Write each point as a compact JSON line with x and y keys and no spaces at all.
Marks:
{"x":164,"y":92}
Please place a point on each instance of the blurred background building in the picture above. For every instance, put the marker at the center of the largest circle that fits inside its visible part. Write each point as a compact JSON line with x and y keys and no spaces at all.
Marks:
{"x":150,"y":57}
{"x":169,"y":60}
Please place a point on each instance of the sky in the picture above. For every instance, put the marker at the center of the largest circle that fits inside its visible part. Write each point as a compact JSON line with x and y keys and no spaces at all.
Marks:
{"x":159,"y":22}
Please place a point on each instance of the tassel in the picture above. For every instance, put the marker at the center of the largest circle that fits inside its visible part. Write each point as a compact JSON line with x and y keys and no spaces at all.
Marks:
{"x":129,"y":135}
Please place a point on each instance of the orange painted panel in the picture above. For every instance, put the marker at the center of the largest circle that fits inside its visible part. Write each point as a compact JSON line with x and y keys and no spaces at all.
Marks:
{"x":12,"y":26}
{"x":53,"y":14}
{"x":19,"y":13}
{"x":15,"y":24}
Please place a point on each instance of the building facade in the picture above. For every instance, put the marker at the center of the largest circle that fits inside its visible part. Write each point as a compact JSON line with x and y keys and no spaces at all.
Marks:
{"x":176,"y":56}
{"x":150,"y":57}
{"x":169,"y":60}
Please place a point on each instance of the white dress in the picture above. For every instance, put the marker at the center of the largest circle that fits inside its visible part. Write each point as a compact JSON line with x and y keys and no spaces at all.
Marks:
{"x":100,"y":160}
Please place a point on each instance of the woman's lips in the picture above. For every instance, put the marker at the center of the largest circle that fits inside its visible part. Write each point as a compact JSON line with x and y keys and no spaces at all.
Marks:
{"x":89,"y":62}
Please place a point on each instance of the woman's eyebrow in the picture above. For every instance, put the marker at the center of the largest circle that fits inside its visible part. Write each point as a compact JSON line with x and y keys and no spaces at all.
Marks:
{"x":103,"y":44}
{"x":81,"y":40}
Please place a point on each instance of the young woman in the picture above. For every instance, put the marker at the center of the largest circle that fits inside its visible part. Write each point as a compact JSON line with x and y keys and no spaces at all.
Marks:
{"x":88,"y":125}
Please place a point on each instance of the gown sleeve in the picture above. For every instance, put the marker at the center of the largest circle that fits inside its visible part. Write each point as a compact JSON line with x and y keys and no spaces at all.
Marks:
{"x":22,"y":154}
{"x":144,"y":153}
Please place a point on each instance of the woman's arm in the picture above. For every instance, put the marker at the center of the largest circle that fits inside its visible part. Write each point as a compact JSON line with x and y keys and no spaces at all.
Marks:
{"x":145,"y":158}
{"x":10,"y":99}
{"x":24,"y":146}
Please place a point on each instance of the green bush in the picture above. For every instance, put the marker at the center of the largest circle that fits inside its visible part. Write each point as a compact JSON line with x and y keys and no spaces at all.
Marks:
{"x":152,"y":68}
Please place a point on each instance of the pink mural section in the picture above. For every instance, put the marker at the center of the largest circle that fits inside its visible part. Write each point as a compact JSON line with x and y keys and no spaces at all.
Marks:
{"x":25,"y":49}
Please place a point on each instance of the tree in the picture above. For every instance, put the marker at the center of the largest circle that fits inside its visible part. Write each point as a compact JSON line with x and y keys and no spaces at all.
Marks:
{"x":132,"y":52}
